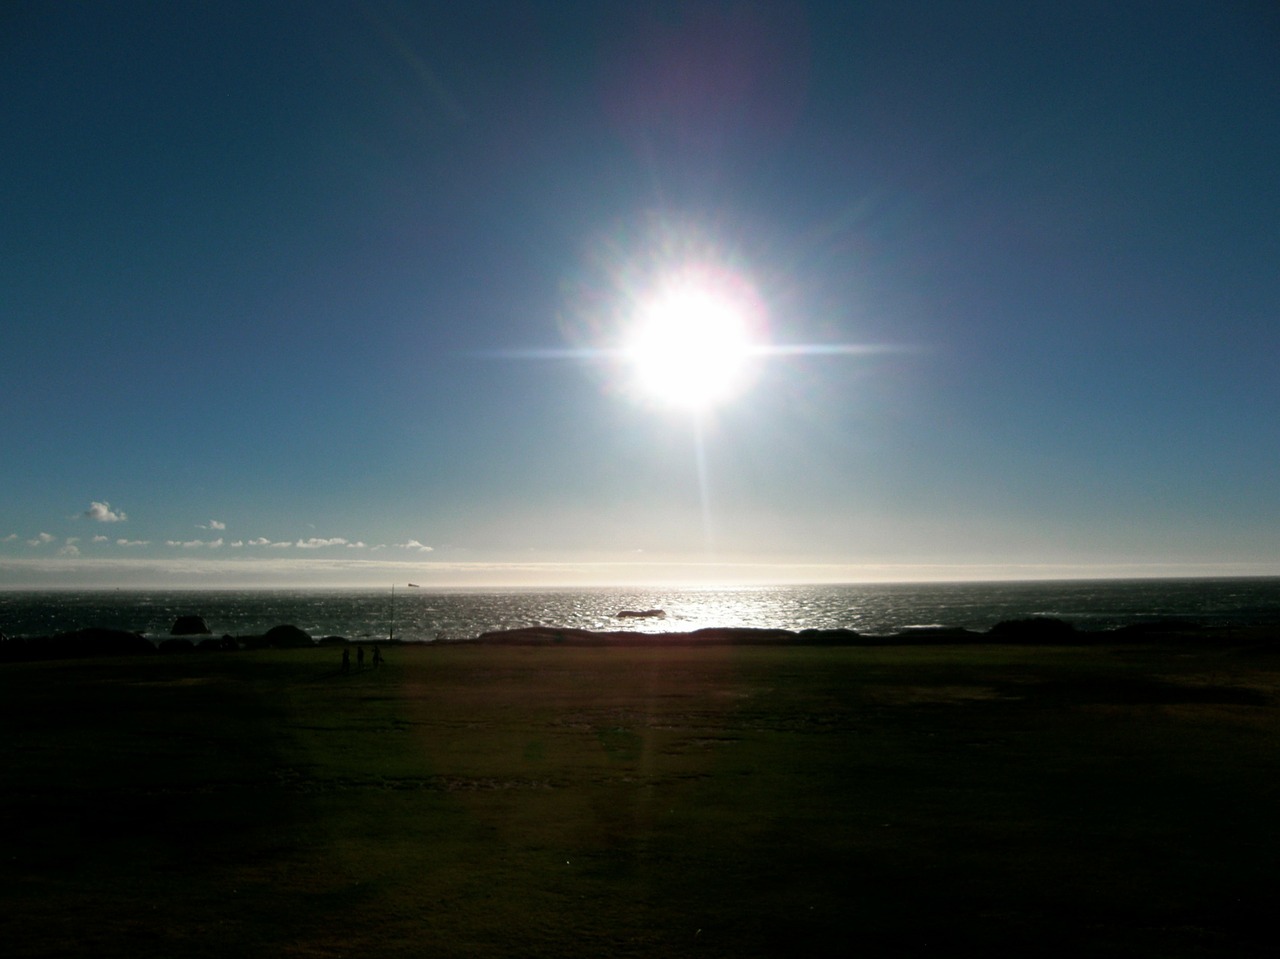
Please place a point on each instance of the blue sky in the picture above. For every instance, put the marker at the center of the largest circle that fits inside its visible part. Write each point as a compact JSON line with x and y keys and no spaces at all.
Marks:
{"x":331,"y":293}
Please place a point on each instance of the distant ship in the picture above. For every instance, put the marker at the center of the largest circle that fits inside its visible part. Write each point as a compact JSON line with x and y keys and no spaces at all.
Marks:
{"x":640,"y":614}
{"x":414,"y":586}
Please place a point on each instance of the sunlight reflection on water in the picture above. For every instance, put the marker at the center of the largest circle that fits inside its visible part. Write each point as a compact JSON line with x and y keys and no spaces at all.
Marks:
{"x":426,"y":615}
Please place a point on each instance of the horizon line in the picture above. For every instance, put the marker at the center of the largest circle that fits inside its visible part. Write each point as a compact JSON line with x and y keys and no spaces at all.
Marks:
{"x":319,"y":573}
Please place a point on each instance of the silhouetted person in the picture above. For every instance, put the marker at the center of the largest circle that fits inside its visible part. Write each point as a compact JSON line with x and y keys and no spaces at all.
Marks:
{"x":377,"y":656}
{"x":346,"y":660}
{"x":360,"y":657}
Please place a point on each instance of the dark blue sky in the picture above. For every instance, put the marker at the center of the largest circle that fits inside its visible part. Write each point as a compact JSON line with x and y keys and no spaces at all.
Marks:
{"x":279,"y":281}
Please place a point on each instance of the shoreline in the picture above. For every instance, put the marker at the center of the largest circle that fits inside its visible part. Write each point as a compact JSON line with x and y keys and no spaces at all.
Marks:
{"x":1034,"y":631}
{"x":94,"y":642}
{"x":425,"y":617}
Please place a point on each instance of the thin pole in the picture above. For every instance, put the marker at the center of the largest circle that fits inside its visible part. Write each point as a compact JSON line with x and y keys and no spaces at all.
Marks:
{"x":392,"y":635}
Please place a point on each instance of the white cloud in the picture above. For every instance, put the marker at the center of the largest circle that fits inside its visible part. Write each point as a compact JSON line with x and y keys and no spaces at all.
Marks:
{"x":41,"y":539}
{"x":280,"y":545}
{"x":237,"y":544}
{"x":414,"y":544}
{"x":71,"y":549}
{"x":133,"y":542}
{"x":10,"y":538}
{"x":103,"y":513}
{"x":315,"y":543}
{"x":212,"y":524}
{"x":100,"y":538}
{"x":72,"y":540}
{"x":356,"y":545}
{"x":194,"y":543}
{"x":260,"y":541}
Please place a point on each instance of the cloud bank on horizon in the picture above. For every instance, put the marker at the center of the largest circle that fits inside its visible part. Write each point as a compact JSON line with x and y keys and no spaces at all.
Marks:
{"x":68,"y":548}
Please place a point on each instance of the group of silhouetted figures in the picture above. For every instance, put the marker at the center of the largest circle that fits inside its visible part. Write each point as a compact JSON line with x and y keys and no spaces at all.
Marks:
{"x":346,"y":658}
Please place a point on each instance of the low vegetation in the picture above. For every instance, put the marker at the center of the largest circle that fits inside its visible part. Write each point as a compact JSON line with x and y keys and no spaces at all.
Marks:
{"x":702,"y":801}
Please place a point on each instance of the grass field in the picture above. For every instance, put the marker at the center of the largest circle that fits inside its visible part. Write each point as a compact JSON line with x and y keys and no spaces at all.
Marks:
{"x":718,"y":801}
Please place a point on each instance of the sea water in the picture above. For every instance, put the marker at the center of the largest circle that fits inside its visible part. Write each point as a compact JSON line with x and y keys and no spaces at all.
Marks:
{"x":427,"y":615}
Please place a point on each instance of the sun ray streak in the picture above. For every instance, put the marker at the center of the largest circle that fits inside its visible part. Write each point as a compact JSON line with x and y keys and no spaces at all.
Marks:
{"x":762,"y":350}
{"x":704,"y":484}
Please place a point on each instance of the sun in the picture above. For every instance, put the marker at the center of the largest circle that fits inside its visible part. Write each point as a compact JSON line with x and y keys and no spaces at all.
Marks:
{"x":692,"y":343}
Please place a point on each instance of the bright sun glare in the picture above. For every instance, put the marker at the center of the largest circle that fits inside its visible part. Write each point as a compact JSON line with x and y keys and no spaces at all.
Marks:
{"x":692,"y":344}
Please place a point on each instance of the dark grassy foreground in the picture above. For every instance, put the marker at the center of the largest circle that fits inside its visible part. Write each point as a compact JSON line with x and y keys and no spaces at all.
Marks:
{"x":718,"y":801}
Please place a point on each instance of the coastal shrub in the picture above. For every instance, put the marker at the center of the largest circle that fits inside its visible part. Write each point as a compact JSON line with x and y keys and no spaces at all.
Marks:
{"x":12,"y":649}
{"x":218,"y":644}
{"x":937,"y":635}
{"x":95,"y":641}
{"x":1036,"y":629}
{"x":829,"y":637}
{"x":1165,"y":629}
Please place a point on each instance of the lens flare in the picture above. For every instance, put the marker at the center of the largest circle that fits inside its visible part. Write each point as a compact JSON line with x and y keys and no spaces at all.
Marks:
{"x":691,"y":344}
{"x":680,"y":315}
{"x":669,"y":312}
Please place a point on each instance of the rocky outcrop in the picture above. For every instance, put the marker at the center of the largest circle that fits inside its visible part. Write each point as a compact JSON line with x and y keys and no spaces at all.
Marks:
{"x":287,"y":637}
{"x":714,"y":636}
{"x":189,"y":626}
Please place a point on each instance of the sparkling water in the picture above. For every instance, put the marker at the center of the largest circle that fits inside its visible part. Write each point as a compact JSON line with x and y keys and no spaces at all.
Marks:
{"x":424,"y":615}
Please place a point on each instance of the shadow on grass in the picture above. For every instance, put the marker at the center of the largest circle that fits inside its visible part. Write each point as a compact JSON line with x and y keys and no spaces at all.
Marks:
{"x":642,"y":802}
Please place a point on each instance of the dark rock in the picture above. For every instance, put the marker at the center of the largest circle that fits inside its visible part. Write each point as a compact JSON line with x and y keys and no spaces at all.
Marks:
{"x":189,"y":626}
{"x":714,"y":636}
{"x":333,"y":641}
{"x":287,"y":637}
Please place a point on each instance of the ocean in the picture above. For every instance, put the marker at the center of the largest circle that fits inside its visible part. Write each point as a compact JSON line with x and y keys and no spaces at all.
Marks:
{"x":430,"y":615}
